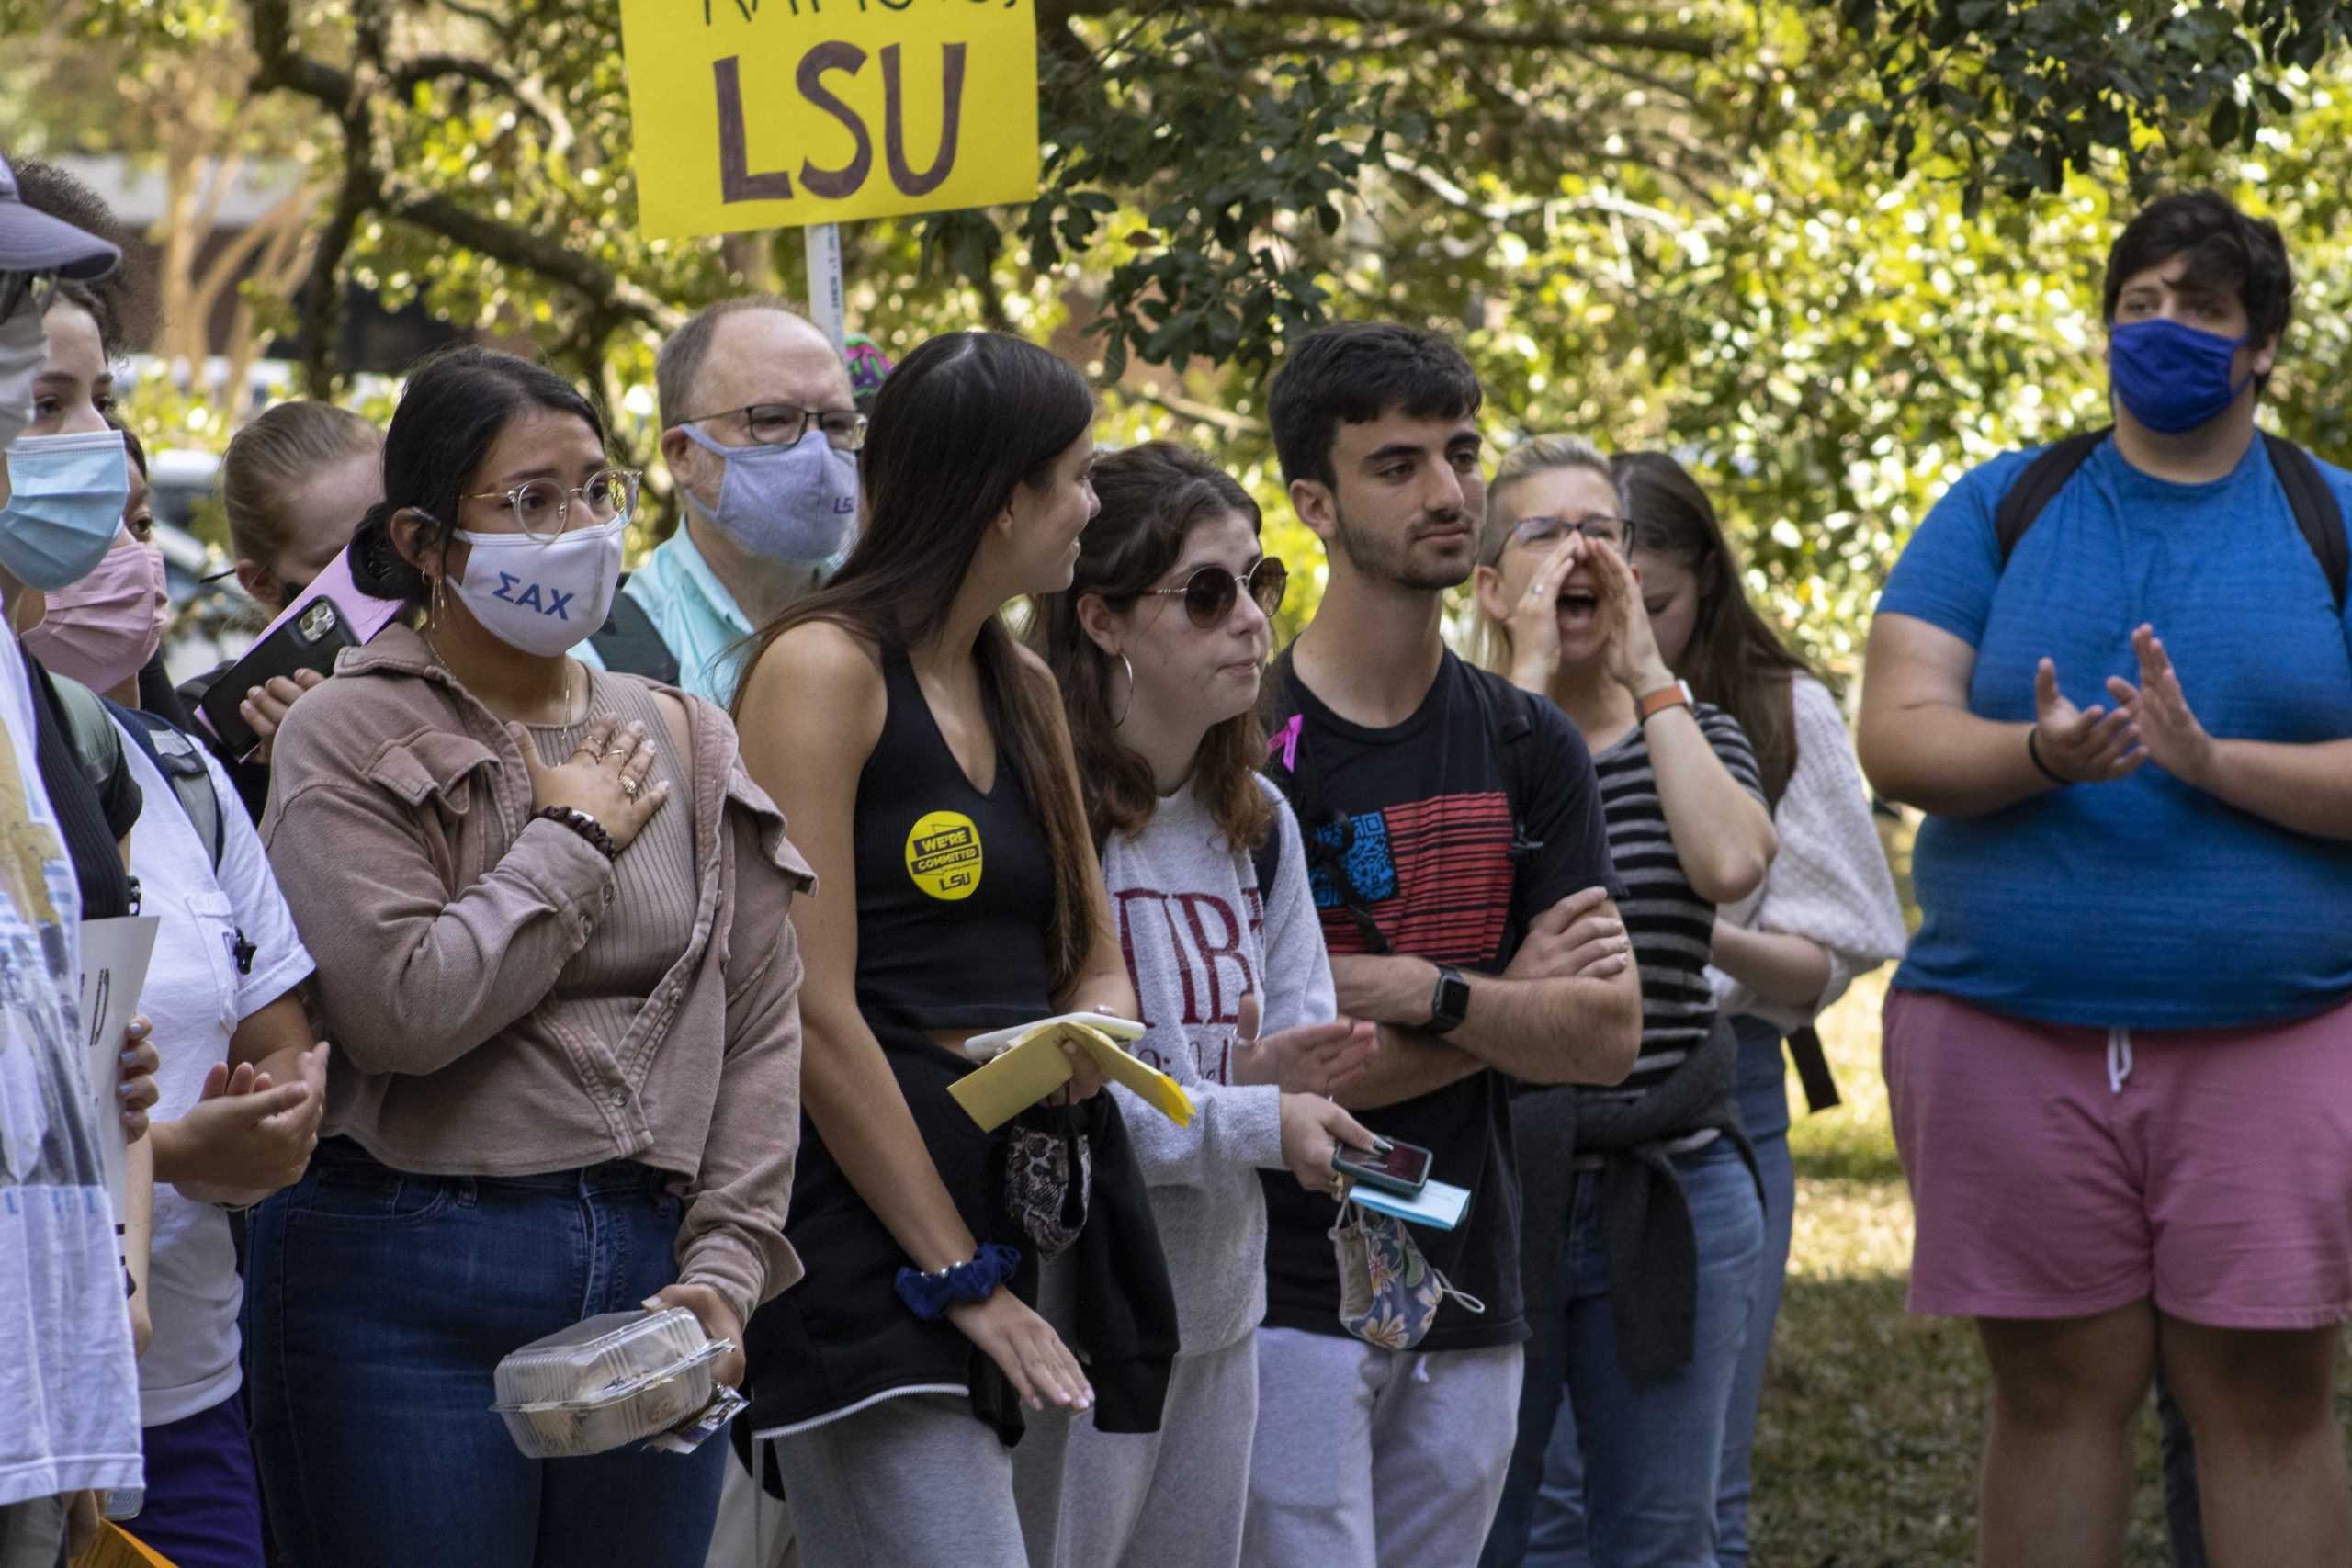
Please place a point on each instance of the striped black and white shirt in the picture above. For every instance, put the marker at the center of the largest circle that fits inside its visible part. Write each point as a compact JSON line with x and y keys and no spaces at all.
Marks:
{"x":1671,"y":927}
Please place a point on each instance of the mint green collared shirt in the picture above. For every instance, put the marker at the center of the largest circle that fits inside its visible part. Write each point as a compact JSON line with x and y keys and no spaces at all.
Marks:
{"x":705,"y":630}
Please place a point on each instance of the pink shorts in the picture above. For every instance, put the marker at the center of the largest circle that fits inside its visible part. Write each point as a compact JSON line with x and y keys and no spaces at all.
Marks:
{"x":2065,"y":1172}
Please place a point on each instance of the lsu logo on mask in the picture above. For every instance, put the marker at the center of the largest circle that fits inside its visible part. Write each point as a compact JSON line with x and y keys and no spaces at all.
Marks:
{"x":555,"y":603}
{"x":943,"y":855}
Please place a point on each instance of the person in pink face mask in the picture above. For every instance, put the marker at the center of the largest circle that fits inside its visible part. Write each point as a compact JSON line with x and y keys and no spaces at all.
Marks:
{"x":103,"y":629}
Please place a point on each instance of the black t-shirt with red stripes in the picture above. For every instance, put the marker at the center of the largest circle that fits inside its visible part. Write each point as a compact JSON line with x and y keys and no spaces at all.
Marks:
{"x":1417,"y":845}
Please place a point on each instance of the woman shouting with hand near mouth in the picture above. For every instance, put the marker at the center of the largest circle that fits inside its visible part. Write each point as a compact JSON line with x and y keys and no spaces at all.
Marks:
{"x":1639,"y":1324}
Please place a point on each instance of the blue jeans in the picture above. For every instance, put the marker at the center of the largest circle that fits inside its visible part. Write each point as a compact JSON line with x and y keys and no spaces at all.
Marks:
{"x":377,"y":1305}
{"x":1762,"y":1088}
{"x":1645,"y":1497}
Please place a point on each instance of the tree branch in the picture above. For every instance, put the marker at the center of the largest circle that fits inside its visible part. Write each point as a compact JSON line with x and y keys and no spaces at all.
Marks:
{"x":347,"y":98}
{"x":1661,"y":41}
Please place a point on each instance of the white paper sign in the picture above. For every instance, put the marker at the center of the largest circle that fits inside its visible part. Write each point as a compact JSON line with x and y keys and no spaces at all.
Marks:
{"x":114,"y":969}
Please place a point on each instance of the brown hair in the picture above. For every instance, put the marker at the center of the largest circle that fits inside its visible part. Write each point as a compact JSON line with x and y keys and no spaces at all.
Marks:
{"x":287,"y":445}
{"x":1153,"y":496}
{"x":1735,"y":659}
{"x":962,"y":421}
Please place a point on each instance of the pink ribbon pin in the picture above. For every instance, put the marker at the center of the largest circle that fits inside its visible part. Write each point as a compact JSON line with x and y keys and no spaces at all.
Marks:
{"x":1285,"y":741}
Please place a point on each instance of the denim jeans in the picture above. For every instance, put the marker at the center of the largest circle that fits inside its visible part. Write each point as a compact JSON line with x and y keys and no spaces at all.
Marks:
{"x":378,"y":1305}
{"x":1762,"y":1087}
{"x":1644,"y":1497}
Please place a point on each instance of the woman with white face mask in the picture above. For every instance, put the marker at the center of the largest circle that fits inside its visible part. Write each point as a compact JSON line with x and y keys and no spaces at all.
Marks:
{"x":550,"y":913}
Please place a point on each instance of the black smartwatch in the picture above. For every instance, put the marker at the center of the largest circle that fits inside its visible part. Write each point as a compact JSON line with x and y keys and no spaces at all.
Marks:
{"x":1450,"y":1002}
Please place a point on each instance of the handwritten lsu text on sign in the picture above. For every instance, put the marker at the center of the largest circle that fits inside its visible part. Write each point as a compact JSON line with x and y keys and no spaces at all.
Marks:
{"x":767,"y":114}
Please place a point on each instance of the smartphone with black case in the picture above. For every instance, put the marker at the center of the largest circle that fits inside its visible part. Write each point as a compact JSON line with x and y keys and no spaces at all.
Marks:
{"x":308,"y":641}
{"x":1400,"y":1167}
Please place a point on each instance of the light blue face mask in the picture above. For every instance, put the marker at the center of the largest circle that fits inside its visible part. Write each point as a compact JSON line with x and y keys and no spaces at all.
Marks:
{"x":66,"y":499}
{"x":792,"y":504}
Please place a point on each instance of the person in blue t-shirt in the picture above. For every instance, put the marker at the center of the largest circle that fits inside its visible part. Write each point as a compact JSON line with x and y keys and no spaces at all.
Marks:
{"x":2117,"y":1050}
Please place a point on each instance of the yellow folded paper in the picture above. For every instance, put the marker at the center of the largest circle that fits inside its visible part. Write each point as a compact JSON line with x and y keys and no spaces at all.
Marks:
{"x":1034,"y":1066}
{"x":117,"y":1548}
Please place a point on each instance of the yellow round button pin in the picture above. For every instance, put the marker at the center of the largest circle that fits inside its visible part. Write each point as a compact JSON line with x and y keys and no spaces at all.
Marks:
{"x":944,"y":854}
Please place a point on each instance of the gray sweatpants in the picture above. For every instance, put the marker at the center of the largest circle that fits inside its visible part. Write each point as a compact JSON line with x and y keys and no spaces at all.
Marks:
{"x":903,"y":1483}
{"x":754,"y":1530}
{"x":33,"y":1533}
{"x":1376,"y":1458}
{"x":1173,"y":1498}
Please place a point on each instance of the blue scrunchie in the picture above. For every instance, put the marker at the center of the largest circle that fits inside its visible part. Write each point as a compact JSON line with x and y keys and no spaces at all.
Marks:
{"x":929,"y":1295}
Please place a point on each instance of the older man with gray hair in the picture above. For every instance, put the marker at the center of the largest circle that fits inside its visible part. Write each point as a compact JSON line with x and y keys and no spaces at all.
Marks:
{"x":761,"y":432}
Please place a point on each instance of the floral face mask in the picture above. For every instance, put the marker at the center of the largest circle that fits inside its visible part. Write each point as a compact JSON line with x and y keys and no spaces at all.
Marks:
{"x":1388,"y":1293}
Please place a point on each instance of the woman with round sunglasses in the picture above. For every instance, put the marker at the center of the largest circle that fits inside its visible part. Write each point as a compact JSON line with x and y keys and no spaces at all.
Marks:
{"x":549,"y":912}
{"x":1158,"y":644}
{"x":1640,"y":1322}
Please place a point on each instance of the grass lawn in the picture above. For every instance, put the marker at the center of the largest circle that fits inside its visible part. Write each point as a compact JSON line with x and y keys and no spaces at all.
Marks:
{"x":1866,"y":1452}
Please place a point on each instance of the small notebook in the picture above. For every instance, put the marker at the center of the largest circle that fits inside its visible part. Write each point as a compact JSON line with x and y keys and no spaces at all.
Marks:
{"x":1032,"y":1069}
{"x":1438,"y":1204}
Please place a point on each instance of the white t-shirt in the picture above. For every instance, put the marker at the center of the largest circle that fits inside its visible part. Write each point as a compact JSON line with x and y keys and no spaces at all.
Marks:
{"x":69,"y":1390}
{"x":195,"y":998}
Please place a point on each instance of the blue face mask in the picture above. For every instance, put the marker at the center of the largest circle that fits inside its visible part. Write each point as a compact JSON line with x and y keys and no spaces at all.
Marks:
{"x":2172,"y":377}
{"x":793,"y":503}
{"x":66,"y":499}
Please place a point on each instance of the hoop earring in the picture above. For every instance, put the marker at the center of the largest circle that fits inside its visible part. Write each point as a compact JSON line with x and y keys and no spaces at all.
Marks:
{"x":1131,"y":693}
{"x":433,"y":611}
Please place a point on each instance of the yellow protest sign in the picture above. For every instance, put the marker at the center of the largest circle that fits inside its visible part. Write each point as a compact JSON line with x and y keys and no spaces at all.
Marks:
{"x":769,"y":114}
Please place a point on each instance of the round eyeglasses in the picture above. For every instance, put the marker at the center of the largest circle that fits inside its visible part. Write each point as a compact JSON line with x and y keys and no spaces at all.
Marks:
{"x":1210,"y":593}
{"x":543,"y":507}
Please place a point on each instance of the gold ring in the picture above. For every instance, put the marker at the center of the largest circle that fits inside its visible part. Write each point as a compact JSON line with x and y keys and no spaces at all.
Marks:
{"x":631,"y":787}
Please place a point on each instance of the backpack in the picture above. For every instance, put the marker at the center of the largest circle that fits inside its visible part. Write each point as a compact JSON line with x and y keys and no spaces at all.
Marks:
{"x":97,"y":752}
{"x":2317,"y":511}
{"x":1509,"y":720}
{"x":629,"y":644}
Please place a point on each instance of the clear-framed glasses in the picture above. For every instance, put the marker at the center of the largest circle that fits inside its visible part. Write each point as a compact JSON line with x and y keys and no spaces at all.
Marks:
{"x":781,"y":424}
{"x":1603,"y":527}
{"x":17,"y":288}
{"x":1209,"y":593}
{"x":543,"y":507}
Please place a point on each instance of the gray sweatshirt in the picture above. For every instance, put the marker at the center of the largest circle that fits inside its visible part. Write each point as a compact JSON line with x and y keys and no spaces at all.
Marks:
{"x":1197,"y":938}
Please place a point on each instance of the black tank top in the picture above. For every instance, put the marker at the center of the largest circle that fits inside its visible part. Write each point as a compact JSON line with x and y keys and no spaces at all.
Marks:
{"x":954,"y":888}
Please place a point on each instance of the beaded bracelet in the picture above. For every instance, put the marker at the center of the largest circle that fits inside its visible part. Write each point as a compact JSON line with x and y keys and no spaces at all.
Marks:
{"x":580,"y":822}
{"x":930,"y":1295}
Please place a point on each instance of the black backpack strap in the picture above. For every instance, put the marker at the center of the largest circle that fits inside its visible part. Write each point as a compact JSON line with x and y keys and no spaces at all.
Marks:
{"x":2317,"y":513}
{"x":1266,"y":859}
{"x":179,"y":757}
{"x":629,"y":644}
{"x":2039,"y":485}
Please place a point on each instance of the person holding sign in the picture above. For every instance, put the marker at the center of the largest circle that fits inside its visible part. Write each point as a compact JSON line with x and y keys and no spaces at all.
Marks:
{"x":924,"y":756}
{"x":551,"y":922}
{"x":761,"y":432}
{"x":1158,"y":645}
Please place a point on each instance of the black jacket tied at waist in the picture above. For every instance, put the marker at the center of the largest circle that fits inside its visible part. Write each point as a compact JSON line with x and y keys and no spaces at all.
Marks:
{"x":1645,"y":1220}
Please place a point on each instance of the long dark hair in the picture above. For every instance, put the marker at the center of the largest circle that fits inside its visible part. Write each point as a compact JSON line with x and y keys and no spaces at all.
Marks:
{"x":1152,"y":497}
{"x":962,"y":421}
{"x":455,"y":404}
{"x":1735,"y":659}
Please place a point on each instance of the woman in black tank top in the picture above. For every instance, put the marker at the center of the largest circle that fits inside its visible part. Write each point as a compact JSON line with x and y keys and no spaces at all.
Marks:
{"x":924,"y":758}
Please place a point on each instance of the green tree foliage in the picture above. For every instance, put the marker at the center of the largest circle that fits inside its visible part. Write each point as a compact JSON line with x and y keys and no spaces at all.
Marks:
{"x":1832,"y":253}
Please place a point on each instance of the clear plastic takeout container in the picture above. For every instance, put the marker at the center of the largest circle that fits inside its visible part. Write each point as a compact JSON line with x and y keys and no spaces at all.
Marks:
{"x":606,"y":1382}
